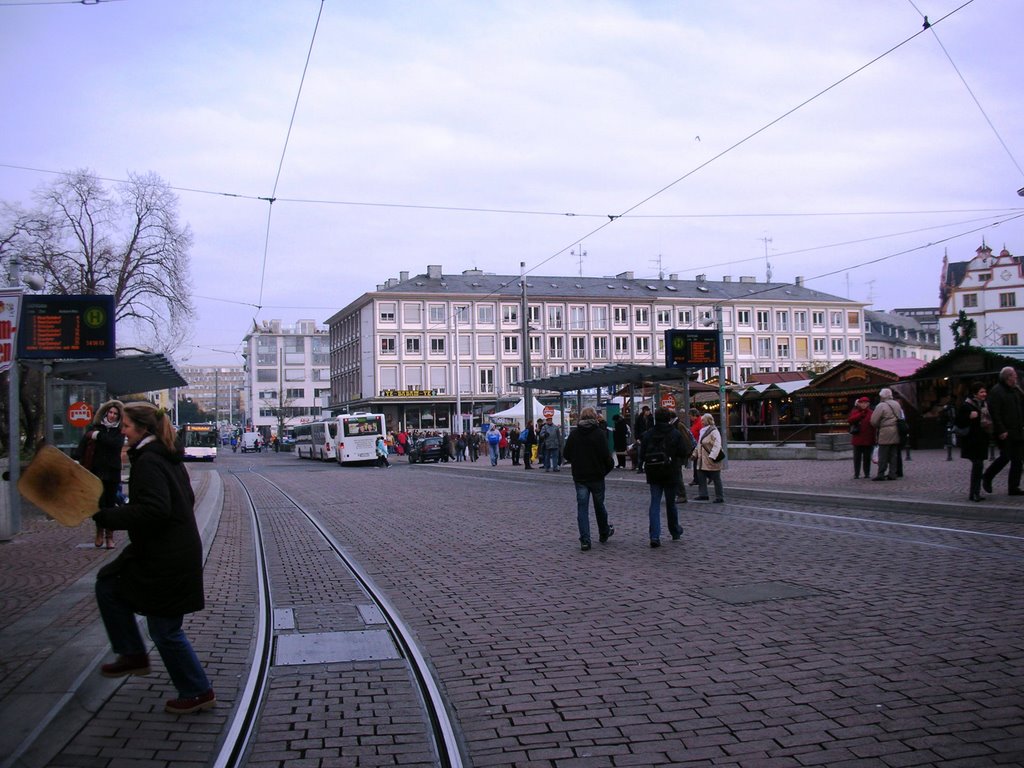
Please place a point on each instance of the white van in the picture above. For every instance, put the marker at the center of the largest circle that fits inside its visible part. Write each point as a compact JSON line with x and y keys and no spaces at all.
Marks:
{"x":250,"y":442}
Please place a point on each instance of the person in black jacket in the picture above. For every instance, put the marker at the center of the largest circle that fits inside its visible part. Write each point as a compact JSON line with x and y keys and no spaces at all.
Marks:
{"x":588,"y":453}
{"x":661,"y":449}
{"x":1004,"y":405}
{"x":974,"y":421}
{"x":100,"y":453}
{"x":160,"y":573}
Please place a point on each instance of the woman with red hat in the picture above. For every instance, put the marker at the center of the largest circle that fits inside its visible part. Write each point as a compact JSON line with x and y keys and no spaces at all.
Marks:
{"x":862,"y":436}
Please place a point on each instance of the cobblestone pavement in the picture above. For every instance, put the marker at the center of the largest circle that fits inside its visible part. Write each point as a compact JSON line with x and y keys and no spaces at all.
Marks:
{"x":765,"y":637}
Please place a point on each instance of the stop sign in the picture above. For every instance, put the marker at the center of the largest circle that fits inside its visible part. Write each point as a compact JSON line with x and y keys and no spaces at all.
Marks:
{"x":549,"y":412}
{"x":79,"y":414}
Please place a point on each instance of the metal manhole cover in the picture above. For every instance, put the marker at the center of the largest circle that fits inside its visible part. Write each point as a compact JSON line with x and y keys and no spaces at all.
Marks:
{"x":758,"y":593}
{"x":327,"y":647}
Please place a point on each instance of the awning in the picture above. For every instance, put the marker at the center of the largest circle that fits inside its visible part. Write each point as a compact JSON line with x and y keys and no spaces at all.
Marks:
{"x":129,"y":375}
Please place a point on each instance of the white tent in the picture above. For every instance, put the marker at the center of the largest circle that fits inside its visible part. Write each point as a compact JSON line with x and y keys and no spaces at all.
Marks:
{"x":517,"y":413}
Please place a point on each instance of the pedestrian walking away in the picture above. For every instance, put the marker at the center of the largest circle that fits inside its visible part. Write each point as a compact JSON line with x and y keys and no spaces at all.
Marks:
{"x":552,"y":446}
{"x":862,"y":437}
{"x":528,"y":437}
{"x":381,"y":449}
{"x":1004,"y":406}
{"x":973,"y":425}
{"x":662,"y":449}
{"x":885,"y":419}
{"x":160,"y":573}
{"x":710,"y":458}
{"x":587,"y":452}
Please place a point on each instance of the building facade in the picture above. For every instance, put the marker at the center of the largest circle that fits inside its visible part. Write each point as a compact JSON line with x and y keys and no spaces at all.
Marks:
{"x":215,"y":389}
{"x":287,"y":375}
{"x":419,"y":346}
{"x":892,"y":335}
{"x":986,"y":288}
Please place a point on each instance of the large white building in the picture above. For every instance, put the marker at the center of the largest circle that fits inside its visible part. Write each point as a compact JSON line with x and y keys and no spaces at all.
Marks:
{"x":407,"y":347}
{"x":287,"y":374}
{"x":986,"y":289}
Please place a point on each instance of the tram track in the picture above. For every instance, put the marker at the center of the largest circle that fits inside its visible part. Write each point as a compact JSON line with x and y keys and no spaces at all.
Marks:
{"x":244,"y":724}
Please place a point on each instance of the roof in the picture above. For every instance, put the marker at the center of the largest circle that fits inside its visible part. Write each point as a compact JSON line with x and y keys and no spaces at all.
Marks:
{"x":970,"y":361}
{"x":774,"y":377}
{"x":903,"y":367}
{"x":610,"y":375}
{"x":132,"y":374}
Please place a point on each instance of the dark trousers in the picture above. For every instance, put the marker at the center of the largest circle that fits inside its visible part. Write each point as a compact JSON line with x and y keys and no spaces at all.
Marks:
{"x":977,"y":466}
{"x":862,"y":460}
{"x":1010,"y":452}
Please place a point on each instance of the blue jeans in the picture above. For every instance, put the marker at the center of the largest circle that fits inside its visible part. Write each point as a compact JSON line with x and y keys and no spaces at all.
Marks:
{"x":584,"y":491}
{"x":183,"y":666}
{"x":672,"y":511}
{"x":552,"y":459}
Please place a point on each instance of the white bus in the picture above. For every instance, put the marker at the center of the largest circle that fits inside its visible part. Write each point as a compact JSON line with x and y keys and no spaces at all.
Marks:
{"x":357,"y":436}
{"x":199,"y":441}
{"x":317,"y":440}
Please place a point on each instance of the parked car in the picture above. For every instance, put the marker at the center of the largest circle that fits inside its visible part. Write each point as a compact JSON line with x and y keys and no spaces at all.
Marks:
{"x":427,"y":449}
{"x":250,"y":442}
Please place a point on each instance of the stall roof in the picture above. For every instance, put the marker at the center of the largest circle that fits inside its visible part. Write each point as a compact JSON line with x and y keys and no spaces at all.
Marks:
{"x":970,"y":361}
{"x":127,"y":375}
{"x":610,"y":375}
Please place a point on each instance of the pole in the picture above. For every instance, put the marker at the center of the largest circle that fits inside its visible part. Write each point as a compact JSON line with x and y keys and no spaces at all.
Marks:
{"x":10,"y":521}
{"x":458,"y":387}
{"x":723,"y":409}
{"x":527,"y":392}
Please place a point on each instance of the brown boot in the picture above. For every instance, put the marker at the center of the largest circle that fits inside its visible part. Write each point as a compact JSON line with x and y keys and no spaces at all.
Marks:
{"x":130,"y":664}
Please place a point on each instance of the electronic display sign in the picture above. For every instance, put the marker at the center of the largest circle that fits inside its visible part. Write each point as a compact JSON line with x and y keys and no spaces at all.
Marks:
{"x":692,"y":349}
{"x":66,"y":327}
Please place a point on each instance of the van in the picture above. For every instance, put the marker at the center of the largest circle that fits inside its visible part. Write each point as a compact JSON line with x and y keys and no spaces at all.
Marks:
{"x":250,"y":442}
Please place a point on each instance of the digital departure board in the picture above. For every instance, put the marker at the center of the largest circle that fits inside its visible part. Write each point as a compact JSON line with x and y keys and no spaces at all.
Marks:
{"x":691,"y":349}
{"x":66,"y":327}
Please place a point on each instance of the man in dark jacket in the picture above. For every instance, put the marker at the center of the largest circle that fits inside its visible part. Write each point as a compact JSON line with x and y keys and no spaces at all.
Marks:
{"x":587,"y":451}
{"x":662,"y":450}
{"x":1004,"y":406}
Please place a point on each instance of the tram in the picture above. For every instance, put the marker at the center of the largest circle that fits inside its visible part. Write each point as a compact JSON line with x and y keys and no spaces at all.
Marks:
{"x":358,"y":432}
{"x":199,"y":441}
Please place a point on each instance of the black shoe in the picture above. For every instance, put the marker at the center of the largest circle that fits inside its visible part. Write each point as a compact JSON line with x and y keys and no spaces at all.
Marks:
{"x":655,"y":543}
{"x":718,"y":501}
{"x":986,"y":483}
{"x":607,"y":535}
{"x":977,"y":497}
{"x":703,"y":498}
{"x":584,"y":546}
{"x":1015,"y":492}
{"x":879,"y":477}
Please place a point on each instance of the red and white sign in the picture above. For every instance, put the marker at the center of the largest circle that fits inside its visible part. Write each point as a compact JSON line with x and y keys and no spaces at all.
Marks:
{"x":79,"y":414}
{"x":668,"y":401}
{"x":549,"y":412}
{"x":10,"y":304}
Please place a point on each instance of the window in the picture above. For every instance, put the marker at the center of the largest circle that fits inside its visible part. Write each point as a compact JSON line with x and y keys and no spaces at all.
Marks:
{"x":465,"y":380}
{"x":485,"y":344}
{"x":465,"y":345}
{"x":412,"y":312}
{"x":782,"y":350}
{"x":578,"y":346}
{"x":854,"y":346}
{"x":577,"y":318}
{"x":487,"y":380}
{"x":746,"y":345}
{"x":663,"y":316}
{"x":799,"y":321}
{"x":743,"y":317}
{"x":601,"y":347}
{"x":485,"y":314}
{"x":801,"y":348}
{"x":836,"y":319}
{"x":852,"y":318}
{"x":984,"y":276}
{"x":1008,"y":340}
{"x":414,"y":377}
{"x":437,"y":314}
{"x":556,"y":347}
{"x":535,"y":345}
{"x":763,"y":319}
{"x":642,"y":316}
{"x":387,"y":311}
{"x":621,"y":345}
{"x":319,"y":350}
{"x":268,"y":394}
{"x":511,"y":376}
{"x":556,"y":317}
{"x":684,"y":317}
{"x":643,"y":345}
{"x":510,"y":314}
{"x":437,"y":346}
{"x":321,"y":374}
{"x":294,"y":374}
{"x":599,"y":316}
{"x":533,"y":315}
{"x":745,"y":372}
{"x":819,"y":345}
{"x":294,"y":350}
{"x":818,"y":319}
{"x":781,"y":320}
{"x":412,"y":345}
{"x":764,"y":347}
{"x":510,"y":344}
{"x":726,"y":345}
{"x":621,"y":315}
{"x":387,"y":345}
{"x":266,"y":374}
{"x":1007,"y":300}
{"x":837,"y":346}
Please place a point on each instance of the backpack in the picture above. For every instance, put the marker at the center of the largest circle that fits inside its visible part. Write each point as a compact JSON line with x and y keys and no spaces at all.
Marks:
{"x":493,"y":437}
{"x":659,"y":455}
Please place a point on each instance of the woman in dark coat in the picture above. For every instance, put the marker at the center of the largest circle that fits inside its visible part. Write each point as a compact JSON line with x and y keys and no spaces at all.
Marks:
{"x":100,"y":453}
{"x":160,"y":573}
{"x":973,"y":417}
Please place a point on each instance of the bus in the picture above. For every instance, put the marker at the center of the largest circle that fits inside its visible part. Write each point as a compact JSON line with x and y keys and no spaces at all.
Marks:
{"x":317,"y":440}
{"x":199,"y":441}
{"x":358,"y":434}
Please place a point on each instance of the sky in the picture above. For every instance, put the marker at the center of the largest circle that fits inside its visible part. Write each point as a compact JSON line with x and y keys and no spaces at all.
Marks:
{"x":839,"y":142}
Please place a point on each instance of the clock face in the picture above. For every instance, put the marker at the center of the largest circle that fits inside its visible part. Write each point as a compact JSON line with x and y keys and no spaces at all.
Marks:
{"x":1006,"y":274}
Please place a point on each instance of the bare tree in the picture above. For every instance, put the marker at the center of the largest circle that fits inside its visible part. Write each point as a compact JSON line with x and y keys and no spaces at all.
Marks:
{"x":83,"y":238}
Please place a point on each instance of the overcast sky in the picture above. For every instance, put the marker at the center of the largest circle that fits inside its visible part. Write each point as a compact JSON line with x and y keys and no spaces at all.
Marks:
{"x":462,"y":133}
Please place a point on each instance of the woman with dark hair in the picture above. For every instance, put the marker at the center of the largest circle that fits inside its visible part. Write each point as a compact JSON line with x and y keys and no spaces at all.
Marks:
{"x":973,"y":429}
{"x":100,"y":453}
{"x":160,"y":573}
